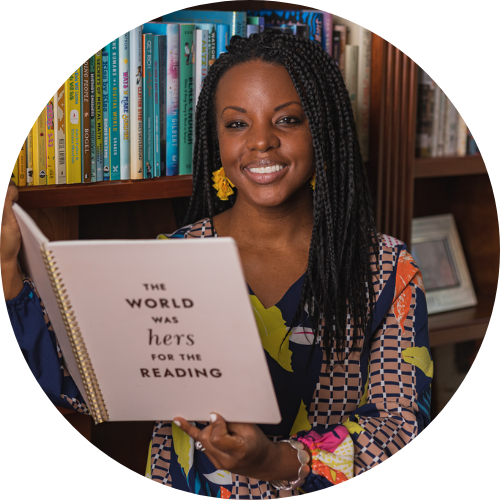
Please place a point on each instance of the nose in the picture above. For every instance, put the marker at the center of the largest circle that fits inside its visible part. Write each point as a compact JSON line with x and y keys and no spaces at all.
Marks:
{"x":262,"y":137}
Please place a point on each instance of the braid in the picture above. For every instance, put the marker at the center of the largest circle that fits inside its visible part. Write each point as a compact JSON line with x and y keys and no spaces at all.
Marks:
{"x":338,"y":282}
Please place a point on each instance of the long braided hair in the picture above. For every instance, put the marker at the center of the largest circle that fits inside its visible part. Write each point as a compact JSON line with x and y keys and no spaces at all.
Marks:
{"x":338,"y":281}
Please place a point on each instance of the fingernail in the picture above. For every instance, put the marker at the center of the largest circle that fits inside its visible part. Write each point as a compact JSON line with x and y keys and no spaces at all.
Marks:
{"x":177,"y":423}
{"x":213,"y":417}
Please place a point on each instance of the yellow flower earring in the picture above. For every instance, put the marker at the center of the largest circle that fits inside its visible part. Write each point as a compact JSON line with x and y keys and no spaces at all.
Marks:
{"x":312,"y":181}
{"x":222,"y":184}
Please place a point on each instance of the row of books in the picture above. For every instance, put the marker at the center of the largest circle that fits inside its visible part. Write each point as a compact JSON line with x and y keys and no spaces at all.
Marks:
{"x":128,"y":111}
{"x":441,"y":130}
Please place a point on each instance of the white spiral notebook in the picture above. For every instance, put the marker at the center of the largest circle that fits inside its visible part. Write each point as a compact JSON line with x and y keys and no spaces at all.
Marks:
{"x":153,"y":329}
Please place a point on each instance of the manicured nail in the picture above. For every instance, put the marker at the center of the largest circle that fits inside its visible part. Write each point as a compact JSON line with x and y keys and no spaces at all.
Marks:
{"x":213,"y":417}
{"x":177,"y":423}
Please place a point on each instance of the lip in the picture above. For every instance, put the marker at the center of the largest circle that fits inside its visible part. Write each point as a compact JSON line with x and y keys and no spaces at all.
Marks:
{"x":267,"y":178}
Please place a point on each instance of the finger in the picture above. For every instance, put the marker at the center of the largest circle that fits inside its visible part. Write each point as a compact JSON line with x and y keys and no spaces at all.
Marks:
{"x":220,"y":438}
{"x":191,"y":430}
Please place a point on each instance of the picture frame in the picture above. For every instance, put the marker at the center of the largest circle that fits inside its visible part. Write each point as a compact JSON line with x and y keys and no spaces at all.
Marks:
{"x":436,"y":248}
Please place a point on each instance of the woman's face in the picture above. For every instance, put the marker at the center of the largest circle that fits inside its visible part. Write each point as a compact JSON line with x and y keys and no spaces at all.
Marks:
{"x":265,"y":144}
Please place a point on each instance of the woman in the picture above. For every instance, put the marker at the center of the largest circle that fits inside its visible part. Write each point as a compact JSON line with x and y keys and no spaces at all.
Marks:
{"x":341,"y":310}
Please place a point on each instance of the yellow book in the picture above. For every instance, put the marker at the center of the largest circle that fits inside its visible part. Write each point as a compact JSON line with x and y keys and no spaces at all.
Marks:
{"x":50,"y":143}
{"x":72,"y":124}
{"x":15,"y":173}
{"x":39,"y":151}
{"x":29,"y":159}
{"x":22,"y":165}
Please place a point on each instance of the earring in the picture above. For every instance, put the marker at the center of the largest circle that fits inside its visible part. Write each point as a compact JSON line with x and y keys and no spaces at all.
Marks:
{"x":312,"y":181}
{"x":222,"y":184}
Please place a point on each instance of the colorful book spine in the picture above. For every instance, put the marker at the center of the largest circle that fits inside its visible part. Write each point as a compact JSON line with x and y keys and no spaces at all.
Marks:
{"x":124,"y":119}
{"x":136,"y":137}
{"x":22,"y":165}
{"x":15,"y":173}
{"x":86,"y":165}
{"x":29,"y":159}
{"x":237,"y":21}
{"x":93,"y":160}
{"x":105,"y":112}
{"x":256,"y":21}
{"x":99,"y":131}
{"x":40,"y":150}
{"x":436,"y":120}
{"x":173,"y":99}
{"x":425,"y":110}
{"x":156,"y":108}
{"x":148,"y":98}
{"x":222,"y":38}
{"x":201,"y":61}
{"x":162,"y":90}
{"x":114,"y":112}
{"x":60,"y":135}
{"x":72,"y":104}
{"x":212,"y":40}
{"x":50,"y":146}
{"x":276,"y":18}
{"x":327,"y":32}
{"x":186,"y":99}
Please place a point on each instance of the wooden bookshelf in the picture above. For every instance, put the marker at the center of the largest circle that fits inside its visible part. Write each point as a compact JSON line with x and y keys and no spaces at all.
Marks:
{"x":105,"y":192}
{"x":449,"y":166}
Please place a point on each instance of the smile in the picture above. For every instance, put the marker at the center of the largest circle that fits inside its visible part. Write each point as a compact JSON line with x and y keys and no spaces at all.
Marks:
{"x":266,"y":170}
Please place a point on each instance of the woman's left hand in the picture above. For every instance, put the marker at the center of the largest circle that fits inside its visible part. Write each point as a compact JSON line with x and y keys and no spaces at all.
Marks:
{"x":239,"y":448}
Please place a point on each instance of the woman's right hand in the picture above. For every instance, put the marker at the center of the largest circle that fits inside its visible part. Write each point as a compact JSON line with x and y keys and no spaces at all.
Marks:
{"x":10,"y":244}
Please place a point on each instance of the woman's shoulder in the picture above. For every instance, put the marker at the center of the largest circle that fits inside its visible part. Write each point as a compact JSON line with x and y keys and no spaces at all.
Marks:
{"x":388,"y":251}
{"x":200,"y":229}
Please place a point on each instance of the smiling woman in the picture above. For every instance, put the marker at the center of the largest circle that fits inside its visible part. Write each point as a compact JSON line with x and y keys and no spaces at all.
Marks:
{"x":340,"y":308}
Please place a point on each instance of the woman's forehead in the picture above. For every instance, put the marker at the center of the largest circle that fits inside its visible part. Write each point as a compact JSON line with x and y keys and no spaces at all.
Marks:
{"x":252,"y":79}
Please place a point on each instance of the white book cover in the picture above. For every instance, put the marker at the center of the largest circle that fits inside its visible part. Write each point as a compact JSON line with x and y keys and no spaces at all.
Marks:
{"x":124,"y":100}
{"x":436,"y":121}
{"x":154,"y":330}
{"x":59,"y":136}
{"x":136,"y":158}
{"x":461,"y":136}
{"x":201,"y":61}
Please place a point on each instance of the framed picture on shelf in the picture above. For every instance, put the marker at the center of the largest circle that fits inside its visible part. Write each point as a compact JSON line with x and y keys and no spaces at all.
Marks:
{"x":436,"y":248}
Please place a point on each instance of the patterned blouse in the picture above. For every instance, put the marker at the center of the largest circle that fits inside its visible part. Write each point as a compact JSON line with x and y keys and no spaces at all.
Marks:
{"x":352,"y":416}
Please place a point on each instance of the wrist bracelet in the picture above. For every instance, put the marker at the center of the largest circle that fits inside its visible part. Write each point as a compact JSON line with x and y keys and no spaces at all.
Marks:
{"x":304,"y":469}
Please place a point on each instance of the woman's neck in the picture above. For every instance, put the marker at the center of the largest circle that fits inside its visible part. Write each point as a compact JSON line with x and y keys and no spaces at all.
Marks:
{"x":275,"y":227}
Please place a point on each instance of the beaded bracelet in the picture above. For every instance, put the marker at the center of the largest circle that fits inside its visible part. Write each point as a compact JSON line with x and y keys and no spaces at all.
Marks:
{"x":304,"y":469}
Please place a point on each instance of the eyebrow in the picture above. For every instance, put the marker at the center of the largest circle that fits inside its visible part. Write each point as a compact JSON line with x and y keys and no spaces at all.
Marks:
{"x":277,"y":108}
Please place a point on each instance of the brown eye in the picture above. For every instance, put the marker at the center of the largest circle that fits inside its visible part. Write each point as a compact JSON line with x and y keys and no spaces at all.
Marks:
{"x":236,"y":125}
{"x":289,"y":120}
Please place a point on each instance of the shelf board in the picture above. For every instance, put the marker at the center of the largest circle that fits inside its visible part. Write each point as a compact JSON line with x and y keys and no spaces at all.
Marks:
{"x":67,"y":195}
{"x":447,"y":166}
{"x":462,"y":324}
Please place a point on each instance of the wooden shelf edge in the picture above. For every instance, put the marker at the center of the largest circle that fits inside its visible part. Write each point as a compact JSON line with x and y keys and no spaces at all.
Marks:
{"x":448,"y":166}
{"x":65,"y":195}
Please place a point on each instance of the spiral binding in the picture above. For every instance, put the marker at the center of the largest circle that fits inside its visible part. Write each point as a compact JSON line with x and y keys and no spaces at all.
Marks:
{"x":96,"y":401}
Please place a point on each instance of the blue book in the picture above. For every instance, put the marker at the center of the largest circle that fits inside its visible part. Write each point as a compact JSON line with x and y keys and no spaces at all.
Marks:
{"x":162,"y":61}
{"x":147,"y":106}
{"x":123,"y":96}
{"x":114,"y":112}
{"x":156,"y":107}
{"x":276,"y":18}
{"x":237,"y":21}
{"x":105,"y":111}
{"x":93,"y":149}
{"x":172,"y":99}
{"x":222,"y":38}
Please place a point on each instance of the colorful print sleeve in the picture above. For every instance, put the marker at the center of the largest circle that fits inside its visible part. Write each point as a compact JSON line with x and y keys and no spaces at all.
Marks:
{"x":38,"y":344}
{"x":395,"y":405}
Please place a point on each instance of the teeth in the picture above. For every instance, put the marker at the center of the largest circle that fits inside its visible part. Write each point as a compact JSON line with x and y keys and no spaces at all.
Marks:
{"x":266,"y":170}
